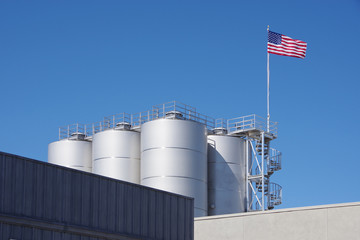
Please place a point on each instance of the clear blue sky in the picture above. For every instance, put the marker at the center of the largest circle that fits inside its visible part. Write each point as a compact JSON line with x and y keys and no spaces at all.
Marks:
{"x":63,"y":62}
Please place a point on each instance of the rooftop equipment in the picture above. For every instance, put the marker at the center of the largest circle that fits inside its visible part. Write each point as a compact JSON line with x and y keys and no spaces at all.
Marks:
{"x":227,"y":174}
{"x":230,"y":175}
{"x":73,"y":150}
{"x":263,"y":161}
{"x":174,"y":153}
{"x":116,"y":149}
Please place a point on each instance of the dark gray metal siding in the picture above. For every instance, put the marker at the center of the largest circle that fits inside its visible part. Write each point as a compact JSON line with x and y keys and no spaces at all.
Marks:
{"x":69,"y":198}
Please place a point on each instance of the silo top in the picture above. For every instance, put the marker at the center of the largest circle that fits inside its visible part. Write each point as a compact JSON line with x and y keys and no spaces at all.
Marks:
{"x":174,"y":133}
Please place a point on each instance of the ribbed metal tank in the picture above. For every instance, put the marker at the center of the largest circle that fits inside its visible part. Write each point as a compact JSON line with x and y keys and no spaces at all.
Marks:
{"x":116,"y":154}
{"x":74,"y":152}
{"x":227,"y":173}
{"x":174,"y":159}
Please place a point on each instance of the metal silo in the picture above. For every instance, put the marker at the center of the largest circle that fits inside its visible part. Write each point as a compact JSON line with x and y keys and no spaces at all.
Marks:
{"x":73,"y":152}
{"x":227,"y":174}
{"x":116,"y":153}
{"x":174,"y":155}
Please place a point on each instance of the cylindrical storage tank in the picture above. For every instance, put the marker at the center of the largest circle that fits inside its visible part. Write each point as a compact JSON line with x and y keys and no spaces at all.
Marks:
{"x":174,"y":159}
{"x":116,"y":154}
{"x":72,"y":153}
{"x":227,"y":174}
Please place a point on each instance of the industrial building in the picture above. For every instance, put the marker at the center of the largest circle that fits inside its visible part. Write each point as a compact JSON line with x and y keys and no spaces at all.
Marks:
{"x":225,"y":165}
{"x":325,"y":222}
{"x":165,"y":173}
{"x":39,"y":200}
{"x":44,"y":201}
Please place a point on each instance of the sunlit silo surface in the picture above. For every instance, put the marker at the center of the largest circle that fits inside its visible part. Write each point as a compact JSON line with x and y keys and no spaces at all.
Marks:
{"x":174,"y":159}
{"x":73,"y":152}
{"x":224,"y":164}
{"x":116,"y":153}
{"x":227,"y":174}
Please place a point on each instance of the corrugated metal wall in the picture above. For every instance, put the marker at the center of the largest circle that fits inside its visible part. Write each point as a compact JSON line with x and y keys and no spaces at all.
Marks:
{"x":69,"y":199}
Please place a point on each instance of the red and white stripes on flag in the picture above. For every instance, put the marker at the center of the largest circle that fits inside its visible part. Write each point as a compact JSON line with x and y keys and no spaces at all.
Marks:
{"x":286,"y":46}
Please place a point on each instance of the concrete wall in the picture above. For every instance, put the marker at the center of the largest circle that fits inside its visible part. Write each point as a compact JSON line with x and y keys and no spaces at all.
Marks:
{"x":327,"y":222}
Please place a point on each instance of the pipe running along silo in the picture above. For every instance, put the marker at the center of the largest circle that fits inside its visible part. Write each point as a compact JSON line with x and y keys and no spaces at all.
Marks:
{"x":227,"y":174}
{"x":174,"y":158}
{"x":73,"y":152}
{"x":116,"y":153}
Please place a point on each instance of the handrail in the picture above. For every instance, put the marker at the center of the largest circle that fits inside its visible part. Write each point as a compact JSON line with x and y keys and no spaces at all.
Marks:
{"x":274,"y":160}
{"x":180,"y":110}
{"x":72,"y":130}
{"x":274,"y":194}
{"x":221,"y":123}
{"x":251,"y":122}
{"x":168,"y":110}
{"x":113,"y":120}
{"x":140,"y":118}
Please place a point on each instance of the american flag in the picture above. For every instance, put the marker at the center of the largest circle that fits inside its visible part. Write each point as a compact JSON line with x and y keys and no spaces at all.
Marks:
{"x":286,"y":46}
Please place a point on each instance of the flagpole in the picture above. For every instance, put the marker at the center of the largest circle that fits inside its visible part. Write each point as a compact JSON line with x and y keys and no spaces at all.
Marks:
{"x":268,"y":89}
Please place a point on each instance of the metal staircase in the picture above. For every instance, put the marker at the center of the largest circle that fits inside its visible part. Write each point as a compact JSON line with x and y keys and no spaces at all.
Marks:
{"x":260,"y":187}
{"x":266,"y":148}
{"x":263,"y":160}
{"x":274,"y":161}
{"x":274,"y":195}
{"x":270,"y":192}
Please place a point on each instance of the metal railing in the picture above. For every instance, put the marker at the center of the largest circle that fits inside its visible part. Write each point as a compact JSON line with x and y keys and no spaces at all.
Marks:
{"x":97,"y":127}
{"x":73,"y":130}
{"x":274,"y":195}
{"x":170,"y":110}
{"x":251,"y":122}
{"x":140,"y":118}
{"x":221,"y":123}
{"x":114,"y":120}
{"x":273,"y":163}
{"x":87,"y":130}
{"x":110,"y":122}
{"x":178,"y":110}
{"x":274,"y":160}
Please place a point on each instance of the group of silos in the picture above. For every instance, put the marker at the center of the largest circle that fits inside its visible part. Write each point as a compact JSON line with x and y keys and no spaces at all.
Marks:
{"x":170,"y":153}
